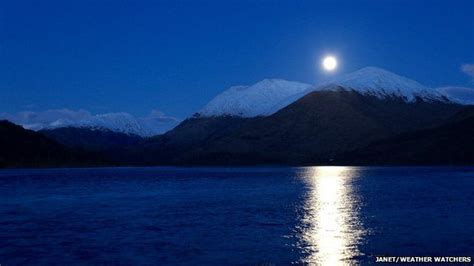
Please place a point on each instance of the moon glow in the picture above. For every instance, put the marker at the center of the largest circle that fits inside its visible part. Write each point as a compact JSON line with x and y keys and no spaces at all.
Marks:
{"x":329,"y":63}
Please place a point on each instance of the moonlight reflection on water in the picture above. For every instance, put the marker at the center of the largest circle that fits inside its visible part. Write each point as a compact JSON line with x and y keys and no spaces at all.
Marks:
{"x":239,"y":216}
{"x":331,"y":229}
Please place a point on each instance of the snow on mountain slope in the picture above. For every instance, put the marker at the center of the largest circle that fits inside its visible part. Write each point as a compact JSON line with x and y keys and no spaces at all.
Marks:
{"x":460,"y":95}
{"x":382,"y":83}
{"x":118,"y":122}
{"x":254,"y":100}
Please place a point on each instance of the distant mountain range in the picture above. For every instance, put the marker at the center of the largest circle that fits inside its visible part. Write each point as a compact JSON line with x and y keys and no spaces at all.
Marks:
{"x":371,"y":116}
{"x":91,"y":139}
{"x":153,"y":124}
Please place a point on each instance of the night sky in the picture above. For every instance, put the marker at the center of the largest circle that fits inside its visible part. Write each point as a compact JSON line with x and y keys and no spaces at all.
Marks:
{"x":174,"y":56}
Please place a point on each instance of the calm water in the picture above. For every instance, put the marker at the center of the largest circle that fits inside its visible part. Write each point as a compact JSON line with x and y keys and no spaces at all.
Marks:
{"x":322,"y":215}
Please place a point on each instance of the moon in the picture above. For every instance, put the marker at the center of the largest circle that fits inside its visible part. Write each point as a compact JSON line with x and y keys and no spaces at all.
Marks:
{"x":329,"y":63}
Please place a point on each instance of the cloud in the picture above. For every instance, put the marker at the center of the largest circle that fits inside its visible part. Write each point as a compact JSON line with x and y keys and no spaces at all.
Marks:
{"x":468,"y":69}
{"x":458,"y":94}
{"x":158,"y":115}
{"x":154,"y":123}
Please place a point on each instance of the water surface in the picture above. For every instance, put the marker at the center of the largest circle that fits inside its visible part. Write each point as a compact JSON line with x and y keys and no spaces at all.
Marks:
{"x":321,"y":215}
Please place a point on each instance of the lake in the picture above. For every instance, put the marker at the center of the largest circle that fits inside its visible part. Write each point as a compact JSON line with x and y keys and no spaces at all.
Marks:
{"x":165,"y":215}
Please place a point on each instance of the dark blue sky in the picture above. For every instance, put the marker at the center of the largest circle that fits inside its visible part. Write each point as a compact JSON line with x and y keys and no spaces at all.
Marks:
{"x":135,"y":56}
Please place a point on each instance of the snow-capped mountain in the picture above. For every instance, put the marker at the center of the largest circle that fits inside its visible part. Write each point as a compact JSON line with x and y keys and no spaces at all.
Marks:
{"x":153,"y":124}
{"x":382,"y":83}
{"x":251,"y":101}
{"x":270,"y":95}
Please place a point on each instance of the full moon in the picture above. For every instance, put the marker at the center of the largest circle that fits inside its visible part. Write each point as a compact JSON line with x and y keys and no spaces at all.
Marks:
{"x":329,"y":63}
